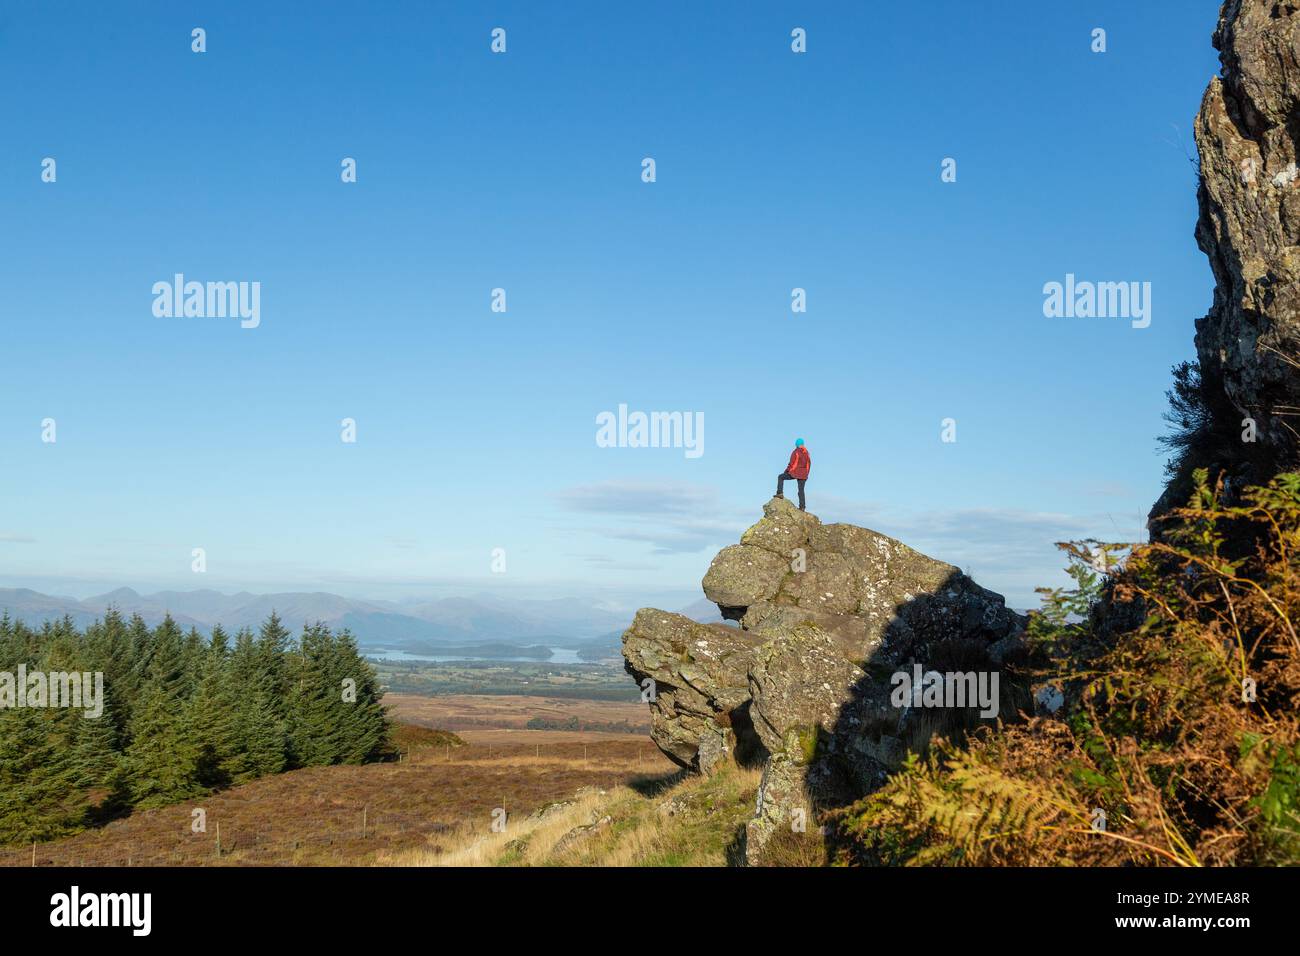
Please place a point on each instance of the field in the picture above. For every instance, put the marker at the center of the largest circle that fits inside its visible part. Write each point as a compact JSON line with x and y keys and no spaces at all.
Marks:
{"x":587,"y":681}
{"x":683,"y":820}
{"x":358,"y":815}
{"x":466,"y":713}
{"x":441,"y":794}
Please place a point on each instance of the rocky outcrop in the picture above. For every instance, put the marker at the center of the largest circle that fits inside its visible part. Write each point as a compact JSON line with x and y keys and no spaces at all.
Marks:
{"x":1248,"y":345}
{"x":696,"y":679}
{"x":826,"y":615}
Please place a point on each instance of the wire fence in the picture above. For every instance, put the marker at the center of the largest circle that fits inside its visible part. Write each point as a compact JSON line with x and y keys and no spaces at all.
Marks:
{"x":360,"y":835}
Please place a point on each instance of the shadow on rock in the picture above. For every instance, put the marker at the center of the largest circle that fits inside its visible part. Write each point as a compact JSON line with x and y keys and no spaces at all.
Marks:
{"x":836,"y":623}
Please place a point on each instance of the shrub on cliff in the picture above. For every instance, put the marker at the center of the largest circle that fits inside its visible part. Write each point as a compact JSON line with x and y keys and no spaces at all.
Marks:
{"x":1179,"y":742}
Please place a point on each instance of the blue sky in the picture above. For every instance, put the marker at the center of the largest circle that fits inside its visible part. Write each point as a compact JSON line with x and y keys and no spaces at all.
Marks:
{"x":522,"y":171}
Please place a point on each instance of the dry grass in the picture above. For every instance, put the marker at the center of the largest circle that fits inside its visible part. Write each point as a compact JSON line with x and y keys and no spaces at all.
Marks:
{"x":315,"y":816}
{"x":681,"y":821}
{"x":786,"y":848}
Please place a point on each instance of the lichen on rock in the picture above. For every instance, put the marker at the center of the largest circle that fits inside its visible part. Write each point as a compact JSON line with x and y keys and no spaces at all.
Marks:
{"x":1247,"y":134}
{"x":826,"y":614}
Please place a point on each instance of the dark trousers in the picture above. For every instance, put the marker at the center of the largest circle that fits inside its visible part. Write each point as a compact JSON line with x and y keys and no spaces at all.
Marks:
{"x":780,"y":485}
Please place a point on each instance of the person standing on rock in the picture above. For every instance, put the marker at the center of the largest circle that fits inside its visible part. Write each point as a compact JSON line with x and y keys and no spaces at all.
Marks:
{"x":798,"y":467}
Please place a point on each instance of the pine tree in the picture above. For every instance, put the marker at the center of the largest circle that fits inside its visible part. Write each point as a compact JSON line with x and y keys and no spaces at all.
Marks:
{"x":96,"y":759}
{"x":34,"y":778}
{"x":259,"y":728}
{"x":140,"y":642}
{"x":211,"y":715}
{"x":313,"y":719}
{"x":178,"y":716}
{"x":334,"y":714}
{"x":163,"y":660}
{"x":162,"y":758}
{"x":193,"y":655}
{"x":110,"y":651}
{"x":272,"y":647}
{"x":366,"y":722}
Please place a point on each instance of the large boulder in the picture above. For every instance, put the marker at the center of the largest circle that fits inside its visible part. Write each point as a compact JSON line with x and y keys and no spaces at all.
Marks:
{"x":827,"y":614}
{"x":696,"y":679}
{"x":741,"y":575}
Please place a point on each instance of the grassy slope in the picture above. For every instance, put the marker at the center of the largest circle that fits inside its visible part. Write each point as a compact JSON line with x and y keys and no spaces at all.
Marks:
{"x":434,"y":798}
{"x":675,"y":821}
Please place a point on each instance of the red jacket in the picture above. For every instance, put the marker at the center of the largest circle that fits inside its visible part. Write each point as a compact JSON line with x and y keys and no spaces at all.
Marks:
{"x":800,"y":462}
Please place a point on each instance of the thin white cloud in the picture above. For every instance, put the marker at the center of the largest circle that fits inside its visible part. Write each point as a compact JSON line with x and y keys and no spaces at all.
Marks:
{"x":673,"y":517}
{"x":605,"y":562}
{"x":639,"y":498}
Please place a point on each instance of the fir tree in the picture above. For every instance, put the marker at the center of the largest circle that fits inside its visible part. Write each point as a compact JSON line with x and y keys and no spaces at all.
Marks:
{"x":162,"y":758}
{"x":34,"y":778}
{"x":211,"y":715}
{"x":365,"y":735}
{"x":258,"y":725}
{"x":179,"y":716}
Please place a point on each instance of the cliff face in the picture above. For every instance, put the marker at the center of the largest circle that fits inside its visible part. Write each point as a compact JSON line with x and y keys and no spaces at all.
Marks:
{"x":827,"y":615}
{"x":1248,"y":345}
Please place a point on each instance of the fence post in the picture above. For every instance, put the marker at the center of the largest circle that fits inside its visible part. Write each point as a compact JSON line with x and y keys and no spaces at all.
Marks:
{"x":218,"y":839}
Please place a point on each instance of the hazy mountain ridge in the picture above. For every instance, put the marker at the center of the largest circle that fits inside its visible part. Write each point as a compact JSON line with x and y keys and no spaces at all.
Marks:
{"x":412,"y":626}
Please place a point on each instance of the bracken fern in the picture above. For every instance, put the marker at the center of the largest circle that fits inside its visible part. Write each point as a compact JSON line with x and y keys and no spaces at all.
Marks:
{"x":1179,"y":742}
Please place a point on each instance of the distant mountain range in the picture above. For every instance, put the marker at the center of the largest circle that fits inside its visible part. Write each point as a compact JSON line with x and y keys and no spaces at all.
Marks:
{"x":414,"y":627}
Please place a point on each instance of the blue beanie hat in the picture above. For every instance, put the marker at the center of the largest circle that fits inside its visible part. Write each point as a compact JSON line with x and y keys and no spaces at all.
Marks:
{"x":798,"y":441}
